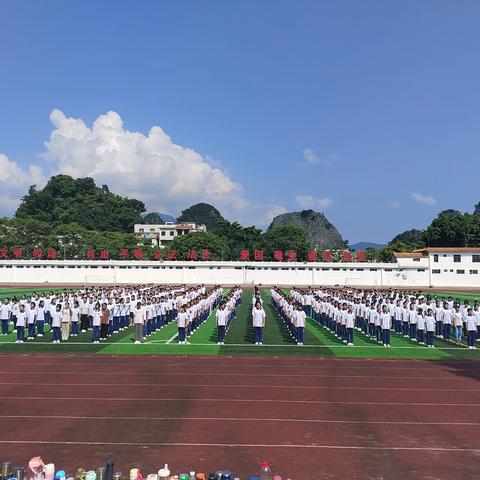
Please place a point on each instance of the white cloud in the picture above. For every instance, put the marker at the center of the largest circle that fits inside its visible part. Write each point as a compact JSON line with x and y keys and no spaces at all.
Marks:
{"x":151,"y":167}
{"x":14,"y":182}
{"x":311,"y":158}
{"x":307,"y":201}
{"x":424,"y":199}
{"x":393,"y":205}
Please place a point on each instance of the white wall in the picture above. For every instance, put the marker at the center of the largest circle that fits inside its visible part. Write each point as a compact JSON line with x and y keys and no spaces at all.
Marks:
{"x":66,"y":272}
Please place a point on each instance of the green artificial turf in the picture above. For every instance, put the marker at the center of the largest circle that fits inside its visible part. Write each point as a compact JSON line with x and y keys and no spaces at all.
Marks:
{"x":239,"y":340}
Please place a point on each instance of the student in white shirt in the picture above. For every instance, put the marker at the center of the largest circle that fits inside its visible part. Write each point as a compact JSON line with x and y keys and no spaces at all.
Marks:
{"x":300,"y":318}
{"x":5,"y":315}
{"x":420,"y":327}
{"x":56,"y":323}
{"x":447,"y":321}
{"x":96,"y":323}
{"x":349,"y":324}
{"x":221,"y":319}
{"x":457,"y":321}
{"x":66,"y":319}
{"x":430,"y":326}
{"x":31,"y":314}
{"x":20,"y":324}
{"x":182,"y":319}
{"x":75,"y":318}
{"x":40,"y":318}
{"x":471,"y":324}
{"x":258,"y":321}
{"x":386,"y":324}
{"x":138,"y":321}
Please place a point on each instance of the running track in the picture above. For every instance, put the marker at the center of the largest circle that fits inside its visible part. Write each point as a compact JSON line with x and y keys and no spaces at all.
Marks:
{"x":312,"y":418}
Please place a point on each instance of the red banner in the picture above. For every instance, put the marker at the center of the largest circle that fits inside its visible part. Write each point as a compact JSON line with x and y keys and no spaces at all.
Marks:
{"x":37,"y":252}
{"x":278,"y":255}
{"x":258,"y":255}
{"x":90,"y":254}
{"x":361,"y":256}
{"x":327,"y":256}
{"x":292,"y":256}
{"x":312,"y":256}
{"x":124,"y":253}
{"x":206,"y":255}
{"x":52,"y":254}
{"x":244,"y":255}
{"x":157,"y":255}
{"x":4,"y":252}
{"x":172,"y":255}
{"x":104,"y":255}
{"x":17,"y":252}
{"x":346,"y":256}
{"x":192,"y":255}
{"x":137,"y":254}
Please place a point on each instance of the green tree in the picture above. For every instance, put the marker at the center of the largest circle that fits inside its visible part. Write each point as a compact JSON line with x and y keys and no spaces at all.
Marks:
{"x":67,"y":200}
{"x":203,"y":214}
{"x":153,"y":218}
{"x":285,"y":239}
{"x":461,"y":230}
{"x":217,"y":245}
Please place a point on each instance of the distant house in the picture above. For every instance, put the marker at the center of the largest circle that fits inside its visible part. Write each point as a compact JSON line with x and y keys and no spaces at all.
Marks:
{"x":162,"y":235}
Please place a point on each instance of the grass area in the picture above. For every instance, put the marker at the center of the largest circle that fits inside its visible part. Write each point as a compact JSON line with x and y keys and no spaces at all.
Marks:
{"x":239,"y":340}
{"x":18,"y":292}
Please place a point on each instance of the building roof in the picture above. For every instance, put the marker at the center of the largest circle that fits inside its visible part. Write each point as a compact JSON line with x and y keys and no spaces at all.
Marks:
{"x":415,"y":254}
{"x":448,"y":250}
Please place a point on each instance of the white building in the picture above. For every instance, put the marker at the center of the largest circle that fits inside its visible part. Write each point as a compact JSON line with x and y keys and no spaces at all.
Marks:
{"x":162,"y":235}
{"x":445,"y":268}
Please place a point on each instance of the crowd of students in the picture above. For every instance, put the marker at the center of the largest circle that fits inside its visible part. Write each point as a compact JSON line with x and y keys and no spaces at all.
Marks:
{"x":292,"y":312}
{"x":107,"y":311}
{"x":376,"y":314}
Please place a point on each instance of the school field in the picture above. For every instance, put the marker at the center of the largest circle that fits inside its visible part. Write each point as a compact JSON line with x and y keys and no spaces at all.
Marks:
{"x":239,"y":339}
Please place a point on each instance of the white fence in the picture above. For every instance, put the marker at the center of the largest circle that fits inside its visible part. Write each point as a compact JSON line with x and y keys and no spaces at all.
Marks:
{"x":80,"y":272}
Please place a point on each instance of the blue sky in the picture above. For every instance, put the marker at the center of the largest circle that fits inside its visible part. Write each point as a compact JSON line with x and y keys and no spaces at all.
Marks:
{"x":368,"y":111}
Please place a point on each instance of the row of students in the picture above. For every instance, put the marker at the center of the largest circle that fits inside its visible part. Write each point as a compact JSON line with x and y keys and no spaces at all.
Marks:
{"x":376,"y":314}
{"x":291,"y":312}
{"x":226,"y":313}
{"x":105,"y":311}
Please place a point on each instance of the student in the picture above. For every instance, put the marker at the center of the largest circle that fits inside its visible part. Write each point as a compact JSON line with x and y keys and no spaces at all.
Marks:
{"x":138,"y":321}
{"x":350,"y":324}
{"x":104,"y":320}
{"x":75,"y":318}
{"x":83,"y":314}
{"x":96,"y":323}
{"x":386,"y":321}
{"x":66,"y":319}
{"x":5,"y":315}
{"x":430,"y":327}
{"x":457,"y":322}
{"x":420,"y":327}
{"x":221,"y":319}
{"x":20,"y":323}
{"x":299,"y":317}
{"x":40,"y":318}
{"x":258,"y":321}
{"x":56,"y":322}
{"x":471,"y":324}
{"x":447,"y":321}
{"x":31,"y":321}
{"x":412,"y":320}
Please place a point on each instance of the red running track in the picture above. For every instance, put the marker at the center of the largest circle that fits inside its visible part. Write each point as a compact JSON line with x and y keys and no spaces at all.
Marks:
{"x":312,"y":418}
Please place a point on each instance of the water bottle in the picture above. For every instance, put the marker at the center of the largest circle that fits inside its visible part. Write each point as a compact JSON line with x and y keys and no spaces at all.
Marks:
{"x":265,"y":472}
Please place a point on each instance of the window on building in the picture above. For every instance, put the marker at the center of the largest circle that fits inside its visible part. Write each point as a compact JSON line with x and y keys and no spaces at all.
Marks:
{"x":457,"y":258}
{"x":473,"y":272}
{"x":171,"y":233}
{"x":152,"y":230}
{"x":435,"y":258}
{"x":436,"y":271}
{"x":461,"y":272}
{"x":141,"y":230}
{"x":416,"y":259}
{"x":476,"y":258}
{"x":163,"y":233}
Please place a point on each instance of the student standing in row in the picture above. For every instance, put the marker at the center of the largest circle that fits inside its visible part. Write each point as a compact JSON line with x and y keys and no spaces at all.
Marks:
{"x":221,"y":318}
{"x":31,"y":321}
{"x":96,"y":323}
{"x":56,"y":323}
{"x":40,"y":318}
{"x":5,"y":315}
{"x":258,"y":321}
{"x":66,"y":319}
{"x":138,"y":321}
{"x":104,"y":319}
{"x":20,"y":323}
{"x":299,"y":319}
{"x":471,"y":323}
{"x":75,"y":318}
